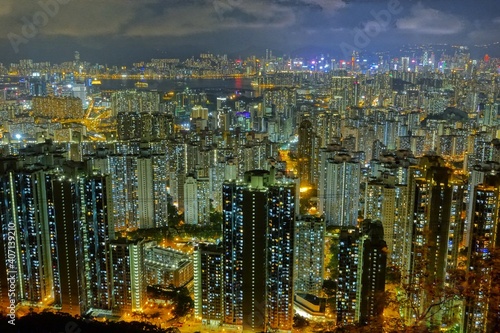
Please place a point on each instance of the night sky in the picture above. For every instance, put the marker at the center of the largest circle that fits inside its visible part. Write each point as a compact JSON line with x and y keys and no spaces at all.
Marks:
{"x":123,"y":31}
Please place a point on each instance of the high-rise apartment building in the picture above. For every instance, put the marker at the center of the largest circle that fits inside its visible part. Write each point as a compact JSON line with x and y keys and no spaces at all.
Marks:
{"x":348,"y":282}
{"x":128,"y":285}
{"x":145,"y":193}
{"x":306,"y":153}
{"x":373,"y":262}
{"x":135,"y":101}
{"x":70,"y":284}
{"x":362,"y":259}
{"x":62,"y":220}
{"x":232,"y":205}
{"x":40,"y":211}
{"x":97,"y":231}
{"x":339,"y":190}
{"x":191,"y":200}
{"x":387,"y":202}
{"x":208,"y":291}
{"x":139,"y":186}
{"x":309,"y":254}
{"x":255,"y":222}
{"x":258,"y":235}
{"x":280,"y":255}
{"x":437,"y":208}
{"x":482,"y":308}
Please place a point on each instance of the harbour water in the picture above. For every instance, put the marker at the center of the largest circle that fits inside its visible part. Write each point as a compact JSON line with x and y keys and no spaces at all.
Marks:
{"x":232,"y":85}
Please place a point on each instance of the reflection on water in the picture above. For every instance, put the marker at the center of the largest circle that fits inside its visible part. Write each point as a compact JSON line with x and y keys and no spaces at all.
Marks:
{"x":242,"y":85}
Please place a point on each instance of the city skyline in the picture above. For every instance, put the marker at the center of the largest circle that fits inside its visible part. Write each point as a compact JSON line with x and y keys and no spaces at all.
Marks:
{"x":120,"y":33}
{"x":261,"y":193}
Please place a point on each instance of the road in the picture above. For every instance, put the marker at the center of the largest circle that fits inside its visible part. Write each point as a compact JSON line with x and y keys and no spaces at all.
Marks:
{"x":192,"y":327}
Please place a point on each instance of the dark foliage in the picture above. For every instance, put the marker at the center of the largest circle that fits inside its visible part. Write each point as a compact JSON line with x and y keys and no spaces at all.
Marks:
{"x":183,"y":303}
{"x":49,"y":322}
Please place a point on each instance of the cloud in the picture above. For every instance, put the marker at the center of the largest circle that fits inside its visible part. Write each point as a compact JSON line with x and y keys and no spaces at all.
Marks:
{"x":226,"y":24}
{"x":327,"y":5}
{"x":179,"y":21}
{"x":324,"y":5}
{"x":213,"y":16}
{"x":74,"y":19}
{"x":6,"y":8}
{"x":93,"y":18}
{"x":153,"y":18}
{"x":430,"y":21}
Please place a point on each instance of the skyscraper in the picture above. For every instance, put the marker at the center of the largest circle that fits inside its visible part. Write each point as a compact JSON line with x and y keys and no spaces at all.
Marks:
{"x":128,"y":285}
{"x":43,"y":209}
{"x":208,"y":276}
{"x":160,"y":189}
{"x":62,"y":221}
{"x":373,"y":261}
{"x":259,"y":221}
{"x":388,"y":202}
{"x":362,"y":257}
{"x":232,"y":205}
{"x":280,"y":256}
{"x":139,"y":185}
{"x":482,"y":308}
{"x":348,"y":284}
{"x":145,"y":193}
{"x":255,"y":246}
{"x":67,"y":207}
{"x":128,"y":101}
{"x":436,"y":231}
{"x":57,"y":212}
{"x":309,"y":254}
{"x":38,"y":85}
{"x":190,"y":200}
{"x":98,"y":230}
{"x":305,"y":153}
{"x":339,"y":190}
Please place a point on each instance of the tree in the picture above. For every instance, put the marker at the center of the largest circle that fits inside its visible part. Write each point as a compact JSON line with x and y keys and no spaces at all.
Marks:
{"x":329,"y":287}
{"x":216,"y":217}
{"x":300,"y":322}
{"x":183,"y":303}
{"x":174,"y":218}
{"x":464,"y":288}
{"x":417,"y":305}
{"x":481,"y":288}
{"x":50,"y":322}
{"x":333,"y":265}
{"x":173,"y":330}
